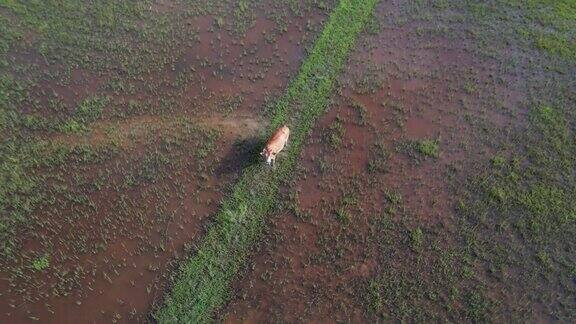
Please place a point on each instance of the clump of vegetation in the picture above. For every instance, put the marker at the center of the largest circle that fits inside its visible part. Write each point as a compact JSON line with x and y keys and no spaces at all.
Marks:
{"x":541,"y":188}
{"x":416,"y":238}
{"x":428,"y":148}
{"x":243,"y":16}
{"x":208,"y":145}
{"x":18,"y":190}
{"x":399,"y":111}
{"x":553,"y":127}
{"x":372,"y":296}
{"x":477,"y":306}
{"x":72,"y":126}
{"x":90,"y":109}
{"x":22,"y":190}
{"x":343,"y":215}
{"x":373,"y":26}
{"x":470,"y":87}
{"x":41,"y":263}
{"x":379,"y":155}
{"x":349,"y":201}
{"x":8,"y":36}
{"x":335,"y":134}
{"x":11,"y":93}
{"x":87,"y":112}
{"x":361,"y":112}
{"x":425,"y":148}
{"x":393,"y":197}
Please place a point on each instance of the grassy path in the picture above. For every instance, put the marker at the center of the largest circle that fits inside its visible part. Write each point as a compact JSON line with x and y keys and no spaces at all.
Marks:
{"x":204,"y":281}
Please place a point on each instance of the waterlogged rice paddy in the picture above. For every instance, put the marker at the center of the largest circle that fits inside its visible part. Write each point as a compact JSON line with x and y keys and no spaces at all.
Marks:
{"x":431,"y":175}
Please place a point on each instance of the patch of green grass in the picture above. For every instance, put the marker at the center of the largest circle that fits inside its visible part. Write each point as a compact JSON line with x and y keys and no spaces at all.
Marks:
{"x":516,"y":227}
{"x":203,"y":283}
{"x":373,"y":298}
{"x":361,"y":112}
{"x":23,"y":188}
{"x":373,"y":26}
{"x":550,"y":199}
{"x":243,"y":16}
{"x":498,"y":161}
{"x":343,"y":215}
{"x":429,"y":148}
{"x":87,"y":33}
{"x":90,"y":109}
{"x":477,"y":306}
{"x":554,"y":25}
{"x":531,"y":197}
{"x":8,"y":36}
{"x":555,"y":44}
{"x":431,"y":284}
{"x":335,"y":134}
{"x":19,"y":190}
{"x":72,"y":126}
{"x":416,"y":238}
{"x":547,"y":24}
{"x":208,"y":144}
{"x":470,"y":87}
{"x":393,"y":197}
{"x":425,"y":148}
{"x":18,"y":195}
{"x":41,"y":263}
{"x":552,"y":126}
{"x":379,"y":156}
{"x":228,"y":104}
{"x":11,"y":93}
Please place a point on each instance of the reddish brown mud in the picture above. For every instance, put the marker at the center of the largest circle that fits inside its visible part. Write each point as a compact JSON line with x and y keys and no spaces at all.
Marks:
{"x":153,"y":189}
{"x":397,"y":90}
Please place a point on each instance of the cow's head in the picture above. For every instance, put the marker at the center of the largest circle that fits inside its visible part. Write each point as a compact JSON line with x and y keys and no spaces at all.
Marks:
{"x":268,"y":155}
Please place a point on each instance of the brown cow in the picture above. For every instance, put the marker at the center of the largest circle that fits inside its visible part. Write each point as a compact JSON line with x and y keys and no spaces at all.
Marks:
{"x":275,"y":144}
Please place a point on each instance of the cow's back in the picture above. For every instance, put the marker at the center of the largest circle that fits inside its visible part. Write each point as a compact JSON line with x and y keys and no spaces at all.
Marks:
{"x":279,"y":138}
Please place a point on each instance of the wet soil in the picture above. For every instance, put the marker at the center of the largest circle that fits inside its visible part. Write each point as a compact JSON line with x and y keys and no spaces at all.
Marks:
{"x":170,"y":143}
{"x":405,"y":83}
{"x":369,"y":205}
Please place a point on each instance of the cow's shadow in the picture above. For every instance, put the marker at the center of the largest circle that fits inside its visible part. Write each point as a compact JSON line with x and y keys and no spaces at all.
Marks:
{"x":243,"y":153}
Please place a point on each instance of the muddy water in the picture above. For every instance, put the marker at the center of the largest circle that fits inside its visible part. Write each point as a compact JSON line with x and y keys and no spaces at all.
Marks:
{"x":113,"y":260}
{"x":411,"y":88}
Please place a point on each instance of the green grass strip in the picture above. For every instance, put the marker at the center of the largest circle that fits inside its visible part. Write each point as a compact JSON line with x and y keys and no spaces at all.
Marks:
{"x":203,"y":284}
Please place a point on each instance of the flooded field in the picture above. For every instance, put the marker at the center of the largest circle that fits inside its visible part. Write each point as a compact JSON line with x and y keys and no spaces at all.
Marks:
{"x":140,"y":175}
{"x":392,"y":214}
{"x":440,"y":184}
